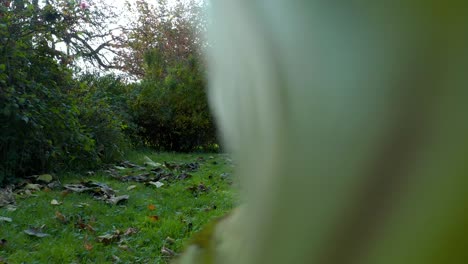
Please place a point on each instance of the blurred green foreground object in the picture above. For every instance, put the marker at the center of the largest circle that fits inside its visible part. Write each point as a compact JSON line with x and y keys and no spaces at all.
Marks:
{"x":349,"y":123}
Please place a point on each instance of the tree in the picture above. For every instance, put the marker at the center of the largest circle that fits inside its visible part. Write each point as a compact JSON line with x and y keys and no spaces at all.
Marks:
{"x":162,"y":49}
{"x":176,"y":32}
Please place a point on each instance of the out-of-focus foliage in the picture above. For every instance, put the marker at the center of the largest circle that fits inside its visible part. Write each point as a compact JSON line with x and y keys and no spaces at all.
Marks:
{"x":44,"y":125}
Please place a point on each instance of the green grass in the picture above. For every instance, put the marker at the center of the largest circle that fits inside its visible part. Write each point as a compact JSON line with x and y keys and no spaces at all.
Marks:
{"x":180,"y":212}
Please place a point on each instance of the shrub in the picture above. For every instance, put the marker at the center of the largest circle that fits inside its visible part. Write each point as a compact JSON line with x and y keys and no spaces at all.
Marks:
{"x":172,"y":107}
{"x":44,"y":126}
{"x":40,"y":125}
{"x":104,"y":115}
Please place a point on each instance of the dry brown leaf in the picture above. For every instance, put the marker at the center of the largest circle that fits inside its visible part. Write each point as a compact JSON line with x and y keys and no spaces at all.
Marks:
{"x":88,"y":246}
{"x":154,"y":218}
{"x":61,"y":217}
{"x":109,"y":237}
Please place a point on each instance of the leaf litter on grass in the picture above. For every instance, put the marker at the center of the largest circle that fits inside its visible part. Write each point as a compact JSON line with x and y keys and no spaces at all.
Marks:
{"x":98,"y":190}
{"x":153,"y":173}
{"x":5,"y":219}
{"x":167,"y":172}
{"x":7,"y":197}
{"x":157,"y":173}
{"x":36,"y":232}
{"x":116,"y":236}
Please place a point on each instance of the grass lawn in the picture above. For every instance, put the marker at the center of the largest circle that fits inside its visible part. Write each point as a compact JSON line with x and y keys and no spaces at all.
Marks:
{"x":153,"y":224}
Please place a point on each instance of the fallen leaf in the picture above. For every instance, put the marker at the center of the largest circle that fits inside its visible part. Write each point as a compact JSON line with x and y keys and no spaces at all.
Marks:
{"x":151,"y":163}
{"x":33,"y":187}
{"x":171,"y":165}
{"x":119,"y":167}
{"x":130,"y":231}
{"x":37,"y":232}
{"x":5,"y":219}
{"x":11,"y":208}
{"x":61,"y":217}
{"x":131,"y":187}
{"x":193,"y":166}
{"x":84,"y":226}
{"x":113,"y":173}
{"x":118,"y":199}
{"x":158,"y":184}
{"x":151,"y":207}
{"x":154,"y":218}
{"x":144,"y":177}
{"x":77,"y":188}
{"x":100,"y":191}
{"x":88,"y":246}
{"x":55,"y":202}
{"x":54,"y":185}
{"x":168,"y":252}
{"x":170,"y":240}
{"x":81,"y":205}
{"x":6,"y":196}
{"x":123,"y":247}
{"x":108,"y":238}
{"x":197,"y":189}
{"x":47,"y":178}
{"x":128,"y":164}
{"x":184,"y":176}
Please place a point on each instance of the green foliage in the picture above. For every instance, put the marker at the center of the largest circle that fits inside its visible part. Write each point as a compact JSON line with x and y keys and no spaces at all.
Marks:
{"x":172,"y":107}
{"x":45,"y":125}
{"x":161,"y":48}
{"x":41,"y":131}
{"x":40,"y":124}
{"x":103,"y":112}
{"x":52,"y":121}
